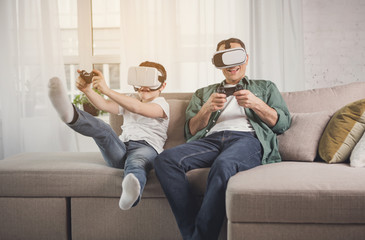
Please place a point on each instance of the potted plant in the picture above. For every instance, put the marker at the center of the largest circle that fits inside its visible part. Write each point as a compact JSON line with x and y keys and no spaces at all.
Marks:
{"x":82,"y":100}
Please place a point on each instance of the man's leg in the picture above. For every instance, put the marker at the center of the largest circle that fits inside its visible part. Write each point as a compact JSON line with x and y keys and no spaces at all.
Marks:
{"x":241,"y":151}
{"x":171,"y":166}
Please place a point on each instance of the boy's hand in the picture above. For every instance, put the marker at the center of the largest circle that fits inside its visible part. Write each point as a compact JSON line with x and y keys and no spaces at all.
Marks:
{"x":99,"y":82}
{"x":81,"y":84}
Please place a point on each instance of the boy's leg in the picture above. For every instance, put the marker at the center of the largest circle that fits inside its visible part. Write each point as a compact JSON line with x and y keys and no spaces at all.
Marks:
{"x":58,"y":96}
{"x":111,"y":147}
{"x":171,"y":166}
{"x":138,"y":163}
{"x":241,"y":151}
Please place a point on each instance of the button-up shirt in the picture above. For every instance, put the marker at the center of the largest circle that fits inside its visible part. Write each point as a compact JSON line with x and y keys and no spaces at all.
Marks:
{"x":267,"y":92}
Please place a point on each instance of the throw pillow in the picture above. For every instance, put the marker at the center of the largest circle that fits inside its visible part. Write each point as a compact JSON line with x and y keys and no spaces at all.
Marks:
{"x":357,"y":158}
{"x":300,"y":141}
{"x":343,"y":132}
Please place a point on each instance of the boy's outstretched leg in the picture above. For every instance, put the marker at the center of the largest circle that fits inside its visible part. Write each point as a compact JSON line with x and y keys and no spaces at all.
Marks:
{"x":58,"y":95}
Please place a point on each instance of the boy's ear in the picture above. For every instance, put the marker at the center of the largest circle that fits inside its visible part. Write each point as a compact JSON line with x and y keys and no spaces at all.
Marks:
{"x":163,"y":87}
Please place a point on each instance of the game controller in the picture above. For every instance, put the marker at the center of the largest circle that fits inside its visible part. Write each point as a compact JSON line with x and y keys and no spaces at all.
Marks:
{"x":88,"y":77}
{"x":229,"y":90}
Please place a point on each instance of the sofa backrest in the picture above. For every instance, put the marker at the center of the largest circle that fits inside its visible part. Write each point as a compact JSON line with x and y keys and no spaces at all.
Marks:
{"x":324,"y":99}
{"x":314,"y":100}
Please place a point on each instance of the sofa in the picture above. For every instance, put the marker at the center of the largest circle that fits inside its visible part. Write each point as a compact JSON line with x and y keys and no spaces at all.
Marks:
{"x":74,"y":195}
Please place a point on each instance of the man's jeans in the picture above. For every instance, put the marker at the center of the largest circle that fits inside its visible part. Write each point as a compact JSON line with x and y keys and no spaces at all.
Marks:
{"x":226,"y":153}
{"x":134,"y":156}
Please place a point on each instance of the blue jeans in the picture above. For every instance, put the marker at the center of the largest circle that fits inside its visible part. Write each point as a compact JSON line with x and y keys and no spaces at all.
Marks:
{"x":134,"y":156}
{"x":226,"y":153}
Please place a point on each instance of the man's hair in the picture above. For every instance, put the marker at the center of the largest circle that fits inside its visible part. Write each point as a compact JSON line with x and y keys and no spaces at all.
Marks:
{"x":159,"y":67}
{"x":227,"y":43}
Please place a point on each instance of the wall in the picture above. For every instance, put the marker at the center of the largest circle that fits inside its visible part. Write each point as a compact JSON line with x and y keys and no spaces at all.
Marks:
{"x":334,"y":42}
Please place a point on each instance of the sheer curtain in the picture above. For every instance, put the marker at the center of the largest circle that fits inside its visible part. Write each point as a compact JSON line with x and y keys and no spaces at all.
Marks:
{"x":31,"y":54}
{"x":276,"y":43}
{"x":182,"y":35}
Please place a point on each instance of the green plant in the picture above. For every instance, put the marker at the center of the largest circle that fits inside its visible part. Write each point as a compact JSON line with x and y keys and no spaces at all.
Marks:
{"x":81,"y":100}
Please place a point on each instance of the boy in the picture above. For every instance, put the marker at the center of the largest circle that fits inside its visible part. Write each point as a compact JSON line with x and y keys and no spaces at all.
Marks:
{"x":146,"y":119}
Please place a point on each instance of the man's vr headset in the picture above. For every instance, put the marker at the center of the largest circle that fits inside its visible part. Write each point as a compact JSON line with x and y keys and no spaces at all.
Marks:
{"x":144,"y":77}
{"x":229,"y":58}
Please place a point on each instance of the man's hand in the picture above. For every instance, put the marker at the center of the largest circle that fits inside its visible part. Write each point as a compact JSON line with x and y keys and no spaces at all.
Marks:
{"x":215,"y":102}
{"x":247,"y":99}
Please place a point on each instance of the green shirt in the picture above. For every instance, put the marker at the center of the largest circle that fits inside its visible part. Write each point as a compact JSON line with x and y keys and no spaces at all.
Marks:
{"x":266,"y":91}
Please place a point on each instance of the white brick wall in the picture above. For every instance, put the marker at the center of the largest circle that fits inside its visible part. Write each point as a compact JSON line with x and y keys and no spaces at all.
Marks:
{"x":334,"y":42}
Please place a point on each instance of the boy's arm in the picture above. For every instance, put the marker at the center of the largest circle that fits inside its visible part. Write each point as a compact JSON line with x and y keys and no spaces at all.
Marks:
{"x":152,"y":110}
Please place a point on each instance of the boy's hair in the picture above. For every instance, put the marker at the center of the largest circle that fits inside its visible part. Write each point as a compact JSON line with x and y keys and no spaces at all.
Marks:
{"x":227,"y":43}
{"x":159,"y":67}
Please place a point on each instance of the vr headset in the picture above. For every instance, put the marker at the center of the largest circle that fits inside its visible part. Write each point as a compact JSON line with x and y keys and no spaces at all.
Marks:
{"x":144,"y":77}
{"x":229,"y":58}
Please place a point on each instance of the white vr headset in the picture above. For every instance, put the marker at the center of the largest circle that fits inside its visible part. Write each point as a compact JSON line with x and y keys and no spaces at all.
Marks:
{"x":229,"y":58}
{"x":144,"y":77}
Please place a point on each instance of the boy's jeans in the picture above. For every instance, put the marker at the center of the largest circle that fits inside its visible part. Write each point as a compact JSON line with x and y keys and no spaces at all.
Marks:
{"x":226,"y":153}
{"x":134,"y":156}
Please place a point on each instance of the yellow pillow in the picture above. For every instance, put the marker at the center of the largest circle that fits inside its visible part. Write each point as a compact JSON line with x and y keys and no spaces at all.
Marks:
{"x":342,"y":133}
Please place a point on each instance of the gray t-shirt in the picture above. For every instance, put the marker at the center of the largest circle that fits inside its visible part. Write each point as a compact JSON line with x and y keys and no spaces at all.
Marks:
{"x":153,"y":130}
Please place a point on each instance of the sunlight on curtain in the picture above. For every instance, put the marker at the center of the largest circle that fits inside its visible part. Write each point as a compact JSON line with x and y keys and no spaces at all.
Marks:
{"x":276,"y":43}
{"x":31,"y":54}
{"x":181,"y":35}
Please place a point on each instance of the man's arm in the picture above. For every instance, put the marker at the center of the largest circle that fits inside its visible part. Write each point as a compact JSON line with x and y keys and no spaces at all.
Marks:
{"x":201,"y":119}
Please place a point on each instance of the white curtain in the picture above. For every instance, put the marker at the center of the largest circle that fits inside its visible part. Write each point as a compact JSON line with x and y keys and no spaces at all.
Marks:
{"x":31,"y":54}
{"x":182,"y":35}
{"x":276,"y":43}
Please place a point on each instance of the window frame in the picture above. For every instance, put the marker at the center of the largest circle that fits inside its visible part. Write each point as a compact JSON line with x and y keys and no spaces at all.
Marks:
{"x":85,"y":58}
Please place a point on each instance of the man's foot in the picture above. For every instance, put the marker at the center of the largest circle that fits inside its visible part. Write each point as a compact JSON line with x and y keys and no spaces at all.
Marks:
{"x":130,"y":194}
{"x":59,"y":99}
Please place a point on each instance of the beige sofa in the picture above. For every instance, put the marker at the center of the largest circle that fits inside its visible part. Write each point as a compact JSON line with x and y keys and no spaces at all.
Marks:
{"x":70,"y":195}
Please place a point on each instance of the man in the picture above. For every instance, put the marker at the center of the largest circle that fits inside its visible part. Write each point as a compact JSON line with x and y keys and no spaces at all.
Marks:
{"x":229,"y":134}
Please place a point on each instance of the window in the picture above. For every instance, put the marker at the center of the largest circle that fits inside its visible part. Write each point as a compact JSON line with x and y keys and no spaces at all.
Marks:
{"x":90,"y":33}
{"x":112,"y":35}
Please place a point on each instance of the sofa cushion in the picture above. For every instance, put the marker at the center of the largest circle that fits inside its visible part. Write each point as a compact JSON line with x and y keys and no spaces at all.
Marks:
{"x":175,"y":131}
{"x":300,"y":141}
{"x":343,"y":132}
{"x":73,"y":174}
{"x":357,"y":158}
{"x":297,"y":192}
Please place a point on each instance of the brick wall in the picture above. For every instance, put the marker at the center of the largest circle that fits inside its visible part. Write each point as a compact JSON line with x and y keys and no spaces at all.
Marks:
{"x":334,"y":42}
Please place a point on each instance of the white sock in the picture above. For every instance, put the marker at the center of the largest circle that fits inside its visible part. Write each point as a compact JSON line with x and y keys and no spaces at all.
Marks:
{"x":59,"y":99}
{"x":130,"y":194}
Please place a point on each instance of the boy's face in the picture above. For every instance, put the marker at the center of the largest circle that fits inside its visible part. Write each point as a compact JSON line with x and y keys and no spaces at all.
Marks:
{"x":234,"y":74}
{"x":147,"y":95}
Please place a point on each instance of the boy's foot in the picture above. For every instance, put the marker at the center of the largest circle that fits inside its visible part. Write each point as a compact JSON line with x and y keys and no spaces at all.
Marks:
{"x":59,"y":99}
{"x":130,"y":194}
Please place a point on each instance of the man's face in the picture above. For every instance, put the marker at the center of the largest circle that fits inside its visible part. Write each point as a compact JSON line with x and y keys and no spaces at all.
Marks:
{"x":234,"y":74}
